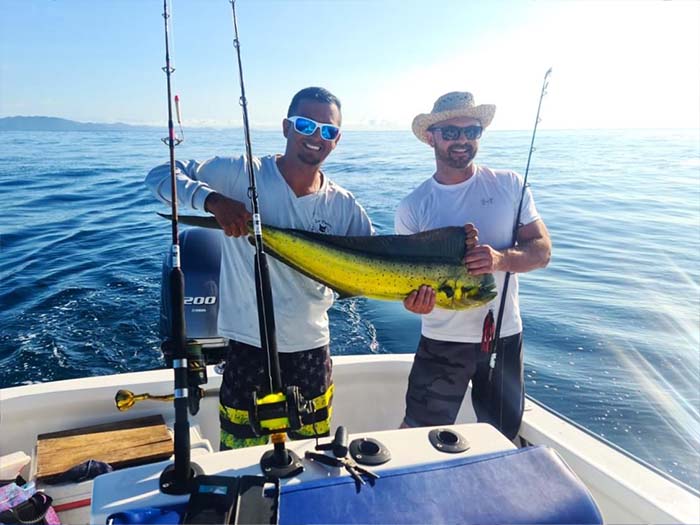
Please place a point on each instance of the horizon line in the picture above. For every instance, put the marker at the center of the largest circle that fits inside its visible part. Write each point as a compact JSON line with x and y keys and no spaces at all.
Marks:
{"x":268,"y":127}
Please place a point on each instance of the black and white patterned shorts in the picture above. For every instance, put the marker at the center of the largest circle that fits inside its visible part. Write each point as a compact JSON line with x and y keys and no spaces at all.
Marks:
{"x":310,"y":370}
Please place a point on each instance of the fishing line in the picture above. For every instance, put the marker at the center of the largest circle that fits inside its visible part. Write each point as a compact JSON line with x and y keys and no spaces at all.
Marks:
{"x":496,"y":345}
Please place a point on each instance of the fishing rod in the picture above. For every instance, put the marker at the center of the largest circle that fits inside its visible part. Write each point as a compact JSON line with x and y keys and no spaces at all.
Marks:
{"x":177,"y":477}
{"x":278,"y":411}
{"x":266,"y":316}
{"x":495,"y":344}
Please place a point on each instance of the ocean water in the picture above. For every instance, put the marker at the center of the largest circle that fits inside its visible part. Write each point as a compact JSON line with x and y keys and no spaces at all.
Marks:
{"x":612,"y":326}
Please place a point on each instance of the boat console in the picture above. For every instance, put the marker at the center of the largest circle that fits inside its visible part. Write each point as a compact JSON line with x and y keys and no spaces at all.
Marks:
{"x":458,"y":474}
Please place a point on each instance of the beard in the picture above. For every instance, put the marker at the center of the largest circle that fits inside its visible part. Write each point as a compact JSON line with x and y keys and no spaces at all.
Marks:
{"x":310,"y":159}
{"x":455,"y":159}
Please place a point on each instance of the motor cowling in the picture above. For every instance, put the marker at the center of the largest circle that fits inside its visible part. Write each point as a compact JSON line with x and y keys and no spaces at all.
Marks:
{"x":200,"y":257}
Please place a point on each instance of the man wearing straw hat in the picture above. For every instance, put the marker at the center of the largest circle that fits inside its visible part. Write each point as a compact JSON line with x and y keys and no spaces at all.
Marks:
{"x":454,"y":345}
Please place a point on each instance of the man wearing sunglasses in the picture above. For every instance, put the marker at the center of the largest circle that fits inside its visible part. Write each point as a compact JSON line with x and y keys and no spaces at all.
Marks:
{"x":293,"y":192}
{"x":454,"y":346}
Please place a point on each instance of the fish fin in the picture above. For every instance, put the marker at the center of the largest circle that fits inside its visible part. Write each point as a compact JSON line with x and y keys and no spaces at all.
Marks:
{"x":444,"y":244}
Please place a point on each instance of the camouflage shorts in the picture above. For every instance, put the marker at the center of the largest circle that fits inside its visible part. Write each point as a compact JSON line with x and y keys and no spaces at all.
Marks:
{"x":310,"y":370}
{"x":441,"y":373}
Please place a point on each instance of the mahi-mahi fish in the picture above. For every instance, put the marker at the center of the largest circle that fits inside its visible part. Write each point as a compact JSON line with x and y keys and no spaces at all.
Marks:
{"x":386,"y":267}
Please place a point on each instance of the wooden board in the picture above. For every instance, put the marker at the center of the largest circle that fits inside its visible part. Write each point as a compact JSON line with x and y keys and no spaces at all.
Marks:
{"x":120,"y":444}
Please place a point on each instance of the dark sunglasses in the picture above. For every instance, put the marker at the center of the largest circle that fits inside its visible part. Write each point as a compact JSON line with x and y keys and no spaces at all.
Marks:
{"x":306,"y":126}
{"x":453,"y":132}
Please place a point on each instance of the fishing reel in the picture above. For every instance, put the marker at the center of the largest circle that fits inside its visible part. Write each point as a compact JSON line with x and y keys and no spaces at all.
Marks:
{"x":196,"y":370}
{"x":275,"y":414}
{"x":278,"y":412}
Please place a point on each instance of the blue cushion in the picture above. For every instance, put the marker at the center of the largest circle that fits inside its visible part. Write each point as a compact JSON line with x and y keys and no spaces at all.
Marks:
{"x":170,"y":514}
{"x":529,"y":485}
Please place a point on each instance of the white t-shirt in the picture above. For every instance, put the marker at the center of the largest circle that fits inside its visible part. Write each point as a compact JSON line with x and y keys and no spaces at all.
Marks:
{"x":300,"y":303}
{"x":489,"y":200}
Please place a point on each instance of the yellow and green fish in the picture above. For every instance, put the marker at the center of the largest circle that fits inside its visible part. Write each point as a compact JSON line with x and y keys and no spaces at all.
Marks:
{"x":386,"y":267}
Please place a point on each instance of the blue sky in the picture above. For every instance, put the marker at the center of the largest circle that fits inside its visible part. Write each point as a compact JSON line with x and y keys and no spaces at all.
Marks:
{"x":616,"y":64}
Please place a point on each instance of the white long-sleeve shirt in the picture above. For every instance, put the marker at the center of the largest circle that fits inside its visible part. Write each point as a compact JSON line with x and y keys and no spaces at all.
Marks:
{"x":300,"y":304}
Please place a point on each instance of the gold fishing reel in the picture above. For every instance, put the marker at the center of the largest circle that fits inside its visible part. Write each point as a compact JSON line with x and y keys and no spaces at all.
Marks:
{"x":125,"y":399}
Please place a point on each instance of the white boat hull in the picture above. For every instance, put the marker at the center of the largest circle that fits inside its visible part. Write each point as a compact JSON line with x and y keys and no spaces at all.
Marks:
{"x":369,"y":397}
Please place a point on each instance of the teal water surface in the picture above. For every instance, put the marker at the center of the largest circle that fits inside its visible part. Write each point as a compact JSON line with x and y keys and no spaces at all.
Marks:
{"x":612,"y":326}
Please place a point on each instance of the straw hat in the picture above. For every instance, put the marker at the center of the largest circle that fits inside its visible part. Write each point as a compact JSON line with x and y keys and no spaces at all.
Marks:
{"x":449,"y":106}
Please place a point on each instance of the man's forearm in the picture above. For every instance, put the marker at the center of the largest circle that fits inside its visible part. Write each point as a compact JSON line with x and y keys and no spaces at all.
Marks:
{"x":528,"y":256}
{"x":210,"y":202}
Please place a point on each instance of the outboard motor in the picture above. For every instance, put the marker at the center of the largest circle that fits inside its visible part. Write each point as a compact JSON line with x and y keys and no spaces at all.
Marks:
{"x":200,"y":257}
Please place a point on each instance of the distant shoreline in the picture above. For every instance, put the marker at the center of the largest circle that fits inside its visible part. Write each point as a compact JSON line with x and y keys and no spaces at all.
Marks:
{"x":40,"y":123}
{"x":54,"y":124}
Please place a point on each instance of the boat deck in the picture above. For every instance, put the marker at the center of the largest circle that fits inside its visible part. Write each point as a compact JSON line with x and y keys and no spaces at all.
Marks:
{"x":369,"y":398}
